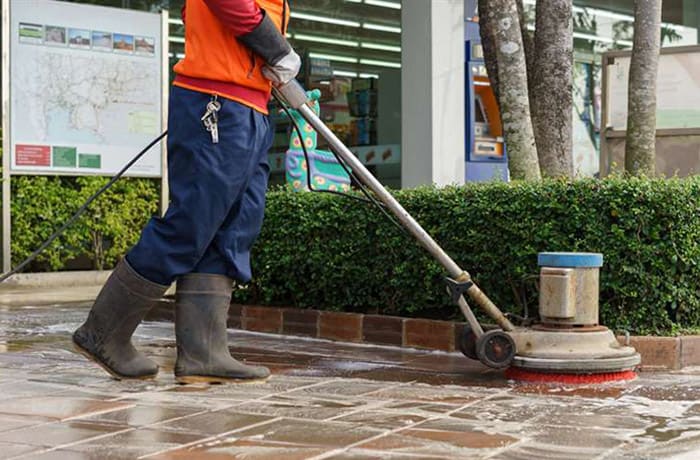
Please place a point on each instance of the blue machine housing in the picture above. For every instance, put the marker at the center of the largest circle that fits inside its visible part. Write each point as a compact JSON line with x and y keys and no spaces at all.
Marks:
{"x":479,"y":167}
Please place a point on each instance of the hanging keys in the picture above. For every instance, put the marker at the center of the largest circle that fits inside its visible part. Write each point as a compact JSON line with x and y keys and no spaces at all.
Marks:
{"x":213,"y":129}
{"x":210,"y":119}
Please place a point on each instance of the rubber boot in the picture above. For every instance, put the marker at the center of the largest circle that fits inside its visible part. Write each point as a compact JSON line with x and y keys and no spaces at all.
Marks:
{"x":121,"y":305}
{"x":202,"y":304}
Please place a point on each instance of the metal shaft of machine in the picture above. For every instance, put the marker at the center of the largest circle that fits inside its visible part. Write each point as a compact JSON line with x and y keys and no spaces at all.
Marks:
{"x":481,"y":299}
{"x":406,"y":219}
{"x":469,"y":315}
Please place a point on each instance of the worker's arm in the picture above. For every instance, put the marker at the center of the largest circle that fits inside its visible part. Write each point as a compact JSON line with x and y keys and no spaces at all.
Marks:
{"x":239,"y":16}
{"x":251,"y":25}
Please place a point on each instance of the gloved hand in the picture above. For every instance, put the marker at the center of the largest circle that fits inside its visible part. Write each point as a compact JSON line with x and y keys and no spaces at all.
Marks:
{"x":284,"y":70}
{"x":267,"y":41}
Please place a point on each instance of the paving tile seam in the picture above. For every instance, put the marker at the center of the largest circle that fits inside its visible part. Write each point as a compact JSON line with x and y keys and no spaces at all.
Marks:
{"x":145,"y":392}
{"x":271,"y":395}
{"x":223,"y":408}
{"x":211,"y":438}
{"x":369,"y":407}
{"x":71,"y":444}
{"x":563,"y":398}
{"x":406,"y":427}
{"x":58,"y":421}
{"x":405,"y":454}
{"x":152,"y":425}
{"x":378,"y":404}
{"x":240,"y":332}
{"x":581,"y":451}
{"x":124,"y":431}
{"x":609,"y":452}
{"x":160,"y":422}
{"x":504,"y":449}
{"x":51,"y":393}
{"x":581,"y":427}
{"x":613,"y":450}
{"x":38,"y":425}
{"x":171,"y":387}
{"x":86,"y":389}
{"x":383,"y":388}
{"x":389,"y":387}
{"x":106,"y":435}
{"x":99,"y":412}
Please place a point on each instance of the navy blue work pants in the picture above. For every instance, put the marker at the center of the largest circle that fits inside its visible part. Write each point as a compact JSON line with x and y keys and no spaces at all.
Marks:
{"x":217,"y":193}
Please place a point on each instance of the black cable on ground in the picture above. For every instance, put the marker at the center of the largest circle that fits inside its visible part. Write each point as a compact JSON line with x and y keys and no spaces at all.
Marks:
{"x":81,"y":210}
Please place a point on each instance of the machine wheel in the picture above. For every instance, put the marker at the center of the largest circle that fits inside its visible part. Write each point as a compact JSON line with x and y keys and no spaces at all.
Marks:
{"x":467,"y":343}
{"x":495,"y":349}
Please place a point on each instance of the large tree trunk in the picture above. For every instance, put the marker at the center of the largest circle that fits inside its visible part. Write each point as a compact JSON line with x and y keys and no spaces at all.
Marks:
{"x":501,"y":16}
{"x":553,"y":87}
{"x":487,"y":31}
{"x":640,"y":150}
{"x":529,"y":47}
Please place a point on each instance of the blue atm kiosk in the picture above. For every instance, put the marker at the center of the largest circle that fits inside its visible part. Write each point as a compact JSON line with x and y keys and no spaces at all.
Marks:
{"x":486,"y":158}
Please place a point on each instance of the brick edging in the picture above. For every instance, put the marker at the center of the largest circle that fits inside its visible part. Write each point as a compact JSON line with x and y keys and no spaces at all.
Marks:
{"x":658,"y":353}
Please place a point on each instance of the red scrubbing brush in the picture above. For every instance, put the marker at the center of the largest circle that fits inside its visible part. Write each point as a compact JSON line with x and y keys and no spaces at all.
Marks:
{"x":515,"y":373}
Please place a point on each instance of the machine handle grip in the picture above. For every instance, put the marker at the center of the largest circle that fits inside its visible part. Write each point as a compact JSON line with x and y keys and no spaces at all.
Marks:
{"x":291,"y":93}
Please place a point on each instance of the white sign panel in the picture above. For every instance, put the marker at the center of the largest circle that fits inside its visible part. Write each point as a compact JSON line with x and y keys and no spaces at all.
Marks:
{"x":677,"y":91}
{"x":85,"y":88}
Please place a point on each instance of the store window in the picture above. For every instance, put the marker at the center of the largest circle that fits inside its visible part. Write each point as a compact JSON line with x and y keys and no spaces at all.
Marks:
{"x":351,"y":52}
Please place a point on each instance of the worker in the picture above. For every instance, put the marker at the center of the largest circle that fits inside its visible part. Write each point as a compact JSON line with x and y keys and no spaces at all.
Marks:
{"x":218,"y":137}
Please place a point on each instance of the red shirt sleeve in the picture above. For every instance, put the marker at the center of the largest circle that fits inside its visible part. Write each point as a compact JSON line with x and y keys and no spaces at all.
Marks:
{"x":239,"y":16}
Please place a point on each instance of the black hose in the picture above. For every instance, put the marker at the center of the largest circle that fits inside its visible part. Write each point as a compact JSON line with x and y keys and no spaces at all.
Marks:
{"x":81,"y":210}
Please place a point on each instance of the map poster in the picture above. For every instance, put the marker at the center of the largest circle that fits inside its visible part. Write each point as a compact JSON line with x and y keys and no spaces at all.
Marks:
{"x":85,"y":88}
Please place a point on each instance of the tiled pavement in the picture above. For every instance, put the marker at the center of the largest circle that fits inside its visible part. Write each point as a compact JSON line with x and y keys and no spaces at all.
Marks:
{"x":325,"y":401}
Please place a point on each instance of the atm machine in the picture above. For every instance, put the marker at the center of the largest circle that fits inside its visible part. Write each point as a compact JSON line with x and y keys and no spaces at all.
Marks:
{"x":486,"y":158}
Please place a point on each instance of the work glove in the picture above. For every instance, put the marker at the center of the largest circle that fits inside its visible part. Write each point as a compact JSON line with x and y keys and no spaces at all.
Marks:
{"x":282,"y":63}
{"x":284,"y":70}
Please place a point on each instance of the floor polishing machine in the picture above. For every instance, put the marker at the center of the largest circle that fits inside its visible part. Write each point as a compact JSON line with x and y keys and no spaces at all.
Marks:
{"x":567,"y":345}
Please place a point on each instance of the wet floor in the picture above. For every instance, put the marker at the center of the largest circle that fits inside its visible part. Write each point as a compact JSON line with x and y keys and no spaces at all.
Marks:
{"x":324,"y":401}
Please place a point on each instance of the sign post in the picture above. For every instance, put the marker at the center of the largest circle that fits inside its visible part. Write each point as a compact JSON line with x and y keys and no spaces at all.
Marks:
{"x":6,"y":261}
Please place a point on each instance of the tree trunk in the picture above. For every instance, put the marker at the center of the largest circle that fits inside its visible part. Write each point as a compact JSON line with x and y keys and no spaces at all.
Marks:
{"x":487,"y":31}
{"x":529,"y":47}
{"x":640,"y":149}
{"x":553,"y":87}
{"x":512,"y":88}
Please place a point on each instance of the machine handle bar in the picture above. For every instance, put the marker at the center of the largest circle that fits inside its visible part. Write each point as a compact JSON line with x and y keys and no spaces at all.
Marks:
{"x":294,"y":95}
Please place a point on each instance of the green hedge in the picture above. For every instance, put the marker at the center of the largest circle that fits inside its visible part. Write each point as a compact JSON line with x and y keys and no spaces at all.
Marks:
{"x":326,"y":252}
{"x":41,"y":204}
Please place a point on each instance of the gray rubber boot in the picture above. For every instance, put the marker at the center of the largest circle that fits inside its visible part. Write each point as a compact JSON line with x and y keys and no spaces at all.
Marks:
{"x":121,"y":305}
{"x":202,"y":304}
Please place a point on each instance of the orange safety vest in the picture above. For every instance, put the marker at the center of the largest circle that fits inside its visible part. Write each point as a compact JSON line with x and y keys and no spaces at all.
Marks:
{"x":216,"y":62}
